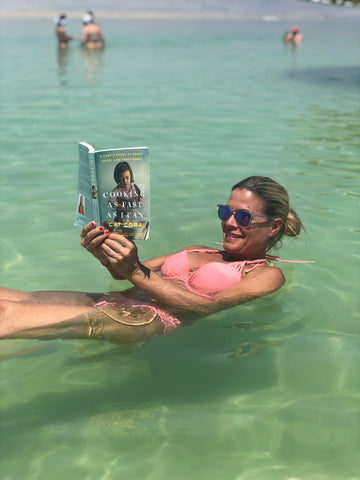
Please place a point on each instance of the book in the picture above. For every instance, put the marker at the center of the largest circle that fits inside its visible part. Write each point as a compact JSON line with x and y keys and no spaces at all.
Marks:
{"x":114,"y":190}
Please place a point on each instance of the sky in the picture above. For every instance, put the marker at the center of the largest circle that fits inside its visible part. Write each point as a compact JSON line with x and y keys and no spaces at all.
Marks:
{"x":282,"y":8}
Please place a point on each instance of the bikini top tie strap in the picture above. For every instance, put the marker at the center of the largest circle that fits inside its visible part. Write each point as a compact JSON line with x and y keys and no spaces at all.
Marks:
{"x":239,"y":266}
{"x":275,"y":258}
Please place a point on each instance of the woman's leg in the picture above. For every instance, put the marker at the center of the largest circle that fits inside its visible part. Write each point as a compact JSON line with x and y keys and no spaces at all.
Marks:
{"x":52,"y":297}
{"x":14,"y":295}
{"x":119,"y":325}
{"x":21,"y":316}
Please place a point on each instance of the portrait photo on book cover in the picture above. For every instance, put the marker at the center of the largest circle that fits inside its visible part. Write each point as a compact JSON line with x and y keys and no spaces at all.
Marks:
{"x":125,"y":202}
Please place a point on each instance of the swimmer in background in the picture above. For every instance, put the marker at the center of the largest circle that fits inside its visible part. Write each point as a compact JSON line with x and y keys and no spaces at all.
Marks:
{"x":297,"y":38}
{"x":91,"y":34}
{"x":62,"y":37}
{"x":294,"y":37}
{"x":287,"y":37}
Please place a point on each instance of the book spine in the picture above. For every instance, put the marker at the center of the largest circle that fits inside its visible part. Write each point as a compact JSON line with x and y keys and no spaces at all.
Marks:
{"x":93,"y":181}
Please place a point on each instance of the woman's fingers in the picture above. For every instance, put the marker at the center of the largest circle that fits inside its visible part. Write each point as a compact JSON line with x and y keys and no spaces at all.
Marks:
{"x":122,"y":240}
{"x":120,"y":249}
{"x":106,"y":247}
{"x":121,"y":245}
{"x":94,"y":237}
{"x":114,"y":249}
{"x":90,"y":226}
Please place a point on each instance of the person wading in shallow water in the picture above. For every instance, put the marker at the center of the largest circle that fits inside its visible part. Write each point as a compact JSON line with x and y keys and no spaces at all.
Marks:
{"x":294,"y":37}
{"x":91,"y":34}
{"x":62,"y":37}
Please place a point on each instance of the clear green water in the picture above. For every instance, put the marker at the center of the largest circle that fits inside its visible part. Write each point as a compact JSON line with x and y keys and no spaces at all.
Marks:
{"x":269,"y":390}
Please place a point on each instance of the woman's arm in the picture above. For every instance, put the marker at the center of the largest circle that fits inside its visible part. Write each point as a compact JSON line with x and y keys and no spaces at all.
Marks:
{"x":122,"y":255}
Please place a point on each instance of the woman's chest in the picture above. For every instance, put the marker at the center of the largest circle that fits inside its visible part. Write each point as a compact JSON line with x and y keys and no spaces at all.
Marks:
{"x":197,"y":260}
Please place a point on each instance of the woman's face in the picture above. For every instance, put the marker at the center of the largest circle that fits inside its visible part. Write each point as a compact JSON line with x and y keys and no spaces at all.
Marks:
{"x":125,"y":180}
{"x":248,"y":242}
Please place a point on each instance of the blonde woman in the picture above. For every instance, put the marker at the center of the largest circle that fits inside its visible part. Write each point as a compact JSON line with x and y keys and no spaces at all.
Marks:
{"x":169,"y":291}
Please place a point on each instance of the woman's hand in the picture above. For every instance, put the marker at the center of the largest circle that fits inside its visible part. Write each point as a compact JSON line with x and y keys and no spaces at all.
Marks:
{"x":92,"y":238}
{"x":122,"y":255}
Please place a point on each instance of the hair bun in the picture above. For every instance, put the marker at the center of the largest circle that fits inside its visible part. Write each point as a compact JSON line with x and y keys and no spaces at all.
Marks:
{"x":293,"y":224}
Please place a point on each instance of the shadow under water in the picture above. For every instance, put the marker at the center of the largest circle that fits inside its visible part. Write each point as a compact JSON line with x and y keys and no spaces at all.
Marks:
{"x":337,"y":76}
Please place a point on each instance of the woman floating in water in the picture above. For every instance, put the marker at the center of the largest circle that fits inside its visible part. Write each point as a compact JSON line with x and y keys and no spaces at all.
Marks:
{"x":193,"y":282}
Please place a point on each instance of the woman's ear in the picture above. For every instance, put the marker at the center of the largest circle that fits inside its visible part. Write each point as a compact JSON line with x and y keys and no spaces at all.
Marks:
{"x":275,"y":227}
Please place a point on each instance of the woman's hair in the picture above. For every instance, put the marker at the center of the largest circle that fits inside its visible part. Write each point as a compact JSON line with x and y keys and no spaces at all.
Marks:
{"x":276,"y":205}
{"x":121,"y":168}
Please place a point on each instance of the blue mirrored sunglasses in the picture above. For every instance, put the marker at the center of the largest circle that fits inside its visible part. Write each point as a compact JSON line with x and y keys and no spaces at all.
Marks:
{"x":242,"y":217}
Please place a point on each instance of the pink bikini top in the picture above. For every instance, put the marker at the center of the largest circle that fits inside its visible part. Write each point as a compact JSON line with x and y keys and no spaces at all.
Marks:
{"x":212,"y":277}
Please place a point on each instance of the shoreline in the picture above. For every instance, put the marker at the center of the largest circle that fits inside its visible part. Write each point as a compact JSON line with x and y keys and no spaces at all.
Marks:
{"x":38,"y":15}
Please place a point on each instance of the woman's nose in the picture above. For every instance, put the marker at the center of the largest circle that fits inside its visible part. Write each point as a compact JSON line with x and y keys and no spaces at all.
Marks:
{"x":231,"y":220}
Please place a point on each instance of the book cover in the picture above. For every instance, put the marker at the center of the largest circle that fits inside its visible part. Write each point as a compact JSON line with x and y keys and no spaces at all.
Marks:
{"x":114,"y":190}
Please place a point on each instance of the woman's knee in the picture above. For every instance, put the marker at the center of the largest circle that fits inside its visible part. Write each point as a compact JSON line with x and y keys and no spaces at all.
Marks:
{"x":13,"y":295}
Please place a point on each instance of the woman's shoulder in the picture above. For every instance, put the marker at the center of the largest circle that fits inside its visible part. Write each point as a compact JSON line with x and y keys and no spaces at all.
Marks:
{"x":267,"y":274}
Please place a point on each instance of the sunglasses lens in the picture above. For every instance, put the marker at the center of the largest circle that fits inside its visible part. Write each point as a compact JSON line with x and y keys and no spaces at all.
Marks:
{"x":243,"y":218}
{"x":224,"y":212}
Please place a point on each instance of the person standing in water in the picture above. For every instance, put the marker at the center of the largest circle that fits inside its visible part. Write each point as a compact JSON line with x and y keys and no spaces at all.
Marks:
{"x":91,"y":34}
{"x":297,"y":37}
{"x":294,"y":37}
{"x":61,"y":34}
